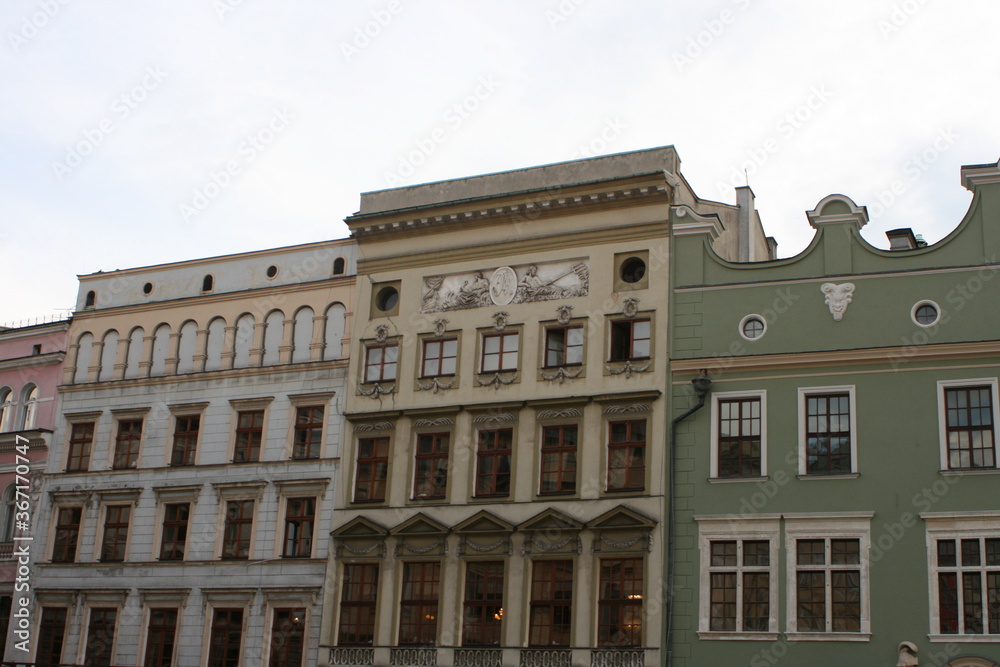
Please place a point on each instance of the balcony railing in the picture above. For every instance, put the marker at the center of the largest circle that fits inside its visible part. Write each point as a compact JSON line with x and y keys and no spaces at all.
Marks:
{"x":411,"y":656}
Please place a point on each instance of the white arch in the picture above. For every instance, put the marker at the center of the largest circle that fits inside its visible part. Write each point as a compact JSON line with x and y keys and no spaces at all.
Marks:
{"x":186,"y":349}
{"x":7,"y":528}
{"x":108,"y":356}
{"x":133,"y":356}
{"x":161,"y":348}
{"x":274,"y":332}
{"x":336,"y":319}
{"x":7,"y":407}
{"x":29,"y":406}
{"x":84,"y":351}
{"x":216,"y":342}
{"x":302,"y":334}
{"x":244,"y":341}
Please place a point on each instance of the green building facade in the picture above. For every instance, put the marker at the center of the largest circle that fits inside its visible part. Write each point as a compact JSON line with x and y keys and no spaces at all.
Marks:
{"x":836,"y":499}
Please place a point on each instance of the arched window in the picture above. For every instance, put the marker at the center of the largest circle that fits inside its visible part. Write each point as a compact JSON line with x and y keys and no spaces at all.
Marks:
{"x":244,"y":341}
{"x":161,"y":348}
{"x":274,"y":332}
{"x":302,"y":336}
{"x":29,"y":399}
{"x":6,"y":409}
{"x":85,"y":349}
{"x":7,"y":529}
{"x":134,"y":355}
{"x":339,"y":265}
{"x":335,"y":322}
{"x":108,"y":356}
{"x":207,"y":283}
{"x":186,"y":348}
{"x":91,"y":299}
{"x":216,"y":342}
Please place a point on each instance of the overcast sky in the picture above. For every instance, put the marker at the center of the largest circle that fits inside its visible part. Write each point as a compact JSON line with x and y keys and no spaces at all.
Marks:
{"x":136,"y":133}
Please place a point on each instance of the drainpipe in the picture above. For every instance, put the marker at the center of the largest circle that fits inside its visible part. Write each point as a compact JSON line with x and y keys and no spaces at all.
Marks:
{"x":702,"y":384}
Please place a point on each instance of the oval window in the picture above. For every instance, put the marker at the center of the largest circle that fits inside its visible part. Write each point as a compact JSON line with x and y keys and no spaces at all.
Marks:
{"x":386,"y":299}
{"x":753,"y":327}
{"x":633,"y":269}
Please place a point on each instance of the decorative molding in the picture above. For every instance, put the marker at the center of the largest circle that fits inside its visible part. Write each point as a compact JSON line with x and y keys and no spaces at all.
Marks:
{"x":560,"y":414}
{"x":564,"y":313}
{"x":497,"y":417}
{"x":497,"y":381}
{"x":377,"y":390}
{"x":503,"y":285}
{"x":628,"y":369}
{"x":837,"y":297}
{"x":626,"y":409}
{"x":630,"y":306}
{"x":403,"y":544}
{"x":500,"y":320}
{"x":435,"y":385}
{"x":543,"y":546}
{"x":561,"y":374}
{"x":485,"y":548}
{"x":595,"y":546}
{"x":364,"y":551}
{"x":381,"y":332}
{"x":524,"y":283}
{"x":442,"y":421}
{"x":377,"y":426}
{"x":440,"y":325}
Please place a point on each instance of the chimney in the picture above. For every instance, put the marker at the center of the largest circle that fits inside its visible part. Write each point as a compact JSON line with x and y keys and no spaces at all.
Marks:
{"x":772,"y":247}
{"x":902,"y":239}
{"x":745,"y":215}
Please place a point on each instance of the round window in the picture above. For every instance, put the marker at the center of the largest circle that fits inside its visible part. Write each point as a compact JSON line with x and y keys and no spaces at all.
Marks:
{"x":386,"y":299}
{"x":925,"y":313}
{"x":272,"y":271}
{"x":147,"y":288}
{"x":753,"y":327}
{"x":633,"y":269}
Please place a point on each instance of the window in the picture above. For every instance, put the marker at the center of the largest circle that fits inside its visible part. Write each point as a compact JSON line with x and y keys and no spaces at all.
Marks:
{"x":175,"y":525}
{"x":627,"y":456}
{"x":226,"y":638}
{"x":127,"y":444}
{"x":493,"y":463}
{"x":80,"y":439}
{"x":308,"y":438}
{"x":632,"y":270}
{"x":440,"y":357}
{"x":380,"y":362}
{"x":5,"y":604}
{"x":238,"y":529}
{"x":116,"y":520}
{"x":558,"y":460}
{"x":968,"y":414}
{"x":630,"y":339}
{"x":300,"y":516}
{"x":90,"y":300}
{"x":372,"y":471}
{"x":738,"y":421}
{"x":619,"y":604}
{"x":67,"y":534}
{"x":500,"y":352}
{"x":752,"y":327}
{"x":483,"y":610}
{"x":386,"y":299}
{"x":100,"y":637}
{"x":9,"y":505}
{"x":430,"y":479}
{"x":287,"y":638}
{"x":249,"y":434}
{"x":925,"y":313}
{"x":207,"y":283}
{"x":6,"y":409}
{"x":185,"y":440}
{"x":551,"y":603}
{"x":418,"y":603}
{"x":826,"y":431}
{"x":30,"y":401}
{"x":563,"y":346}
{"x":160,"y":637}
{"x":338,"y":266}
{"x":357,"y":605}
{"x":51,"y":633}
{"x":36,"y":349}
{"x":272,"y":271}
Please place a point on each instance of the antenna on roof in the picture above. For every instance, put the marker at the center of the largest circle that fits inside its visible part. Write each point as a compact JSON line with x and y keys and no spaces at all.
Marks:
{"x":746,"y":177}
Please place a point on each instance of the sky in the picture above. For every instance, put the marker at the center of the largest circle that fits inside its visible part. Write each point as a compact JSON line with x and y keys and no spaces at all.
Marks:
{"x":139,"y":133}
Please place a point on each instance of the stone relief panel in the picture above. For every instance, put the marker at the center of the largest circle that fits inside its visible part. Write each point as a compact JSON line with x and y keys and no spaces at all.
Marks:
{"x":501,"y":286}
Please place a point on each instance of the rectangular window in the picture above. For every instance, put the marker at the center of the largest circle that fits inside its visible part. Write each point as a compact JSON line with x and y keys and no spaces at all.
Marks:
{"x":493,"y":463}
{"x":483,"y":610}
{"x":238,"y":529}
{"x":67,"y":534}
{"x":161,"y":637}
{"x":969,"y":427}
{"x":827,"y":431}
{"x":226,"y":637}
{"x":300,"y":517}
{"x":739,"y":437}
{"x":116,"y":520}
{"x":418,"y":603}
{"x":630,"y":339}
{"x":563,"y":346}
{"x":968,"y":585}
{"x":558,"y":464}
{"x":185,"y":440}
{"x":288,"y":638}
{"x":380,"y":362}
{"x":500,"y":352}
{"x":740,"y":585}
{"x":127,"y":444}
{"x":440,"y":357}
{"x":619,"y":604}
{"x":100,"y":637}
{"x":627,"y":456}
{"x":80,"y":440}
{"x":175,"y":526}
{"x":551,"y":603}
{"x":357,"y":605}
{"x":51,"y":633}
{"x":828,"y":585}
{"x":249,"y":434}
{"x":372,"y":471}
{"x":308,"y":437}
{"x":430,"y":480}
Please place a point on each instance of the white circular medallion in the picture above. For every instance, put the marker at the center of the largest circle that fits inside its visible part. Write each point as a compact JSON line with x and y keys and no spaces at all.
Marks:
{"x":503,"y":286}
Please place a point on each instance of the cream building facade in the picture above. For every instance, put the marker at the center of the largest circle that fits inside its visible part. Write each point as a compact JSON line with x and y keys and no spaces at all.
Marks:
{"x":189,"y":487}
{"x":502,"y":498}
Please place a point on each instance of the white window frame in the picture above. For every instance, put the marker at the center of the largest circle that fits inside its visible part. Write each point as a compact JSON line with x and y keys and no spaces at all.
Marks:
{"x":236,"y":491}
{"x":739,"y":527}
{"x":804,"y":393}
{"x":943,"y":421}
{"x":247,"y":405}
{"x":955,"y":525}
{"x":174,"y":495}
{"x":294,"y":489}
{"x":185,"y":410}
{"x":824,"y":526}
{"x":714,"y":453}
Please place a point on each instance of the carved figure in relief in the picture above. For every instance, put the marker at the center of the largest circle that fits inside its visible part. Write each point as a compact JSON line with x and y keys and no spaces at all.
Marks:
{"x":906,"y":655}
{"x":837,"y":297}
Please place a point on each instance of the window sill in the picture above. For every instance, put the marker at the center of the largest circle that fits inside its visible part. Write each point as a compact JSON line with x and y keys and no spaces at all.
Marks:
{"x":828,"y":636}
{"x":736,"y":480}
{"x":738,"y":636}
{"x":961,"y":472}
{"x":981,"y":639}
{"x":844,"y":475}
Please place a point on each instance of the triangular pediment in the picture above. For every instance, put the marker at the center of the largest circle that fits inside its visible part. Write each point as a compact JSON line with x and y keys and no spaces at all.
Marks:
{"x":360,"y":528}
{"x":484,"y":522}
{"x":550,"y":520}
{"x":419,"y":524}
{"x":622,"y":518}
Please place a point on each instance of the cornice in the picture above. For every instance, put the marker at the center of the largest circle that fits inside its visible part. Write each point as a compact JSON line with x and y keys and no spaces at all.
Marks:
{"x":34,"y":361}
